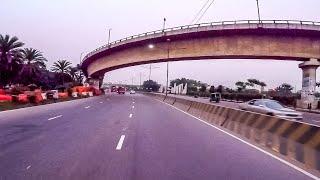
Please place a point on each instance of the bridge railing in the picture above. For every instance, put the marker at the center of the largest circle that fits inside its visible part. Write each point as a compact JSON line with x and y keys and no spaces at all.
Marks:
{"x":220,"y":23}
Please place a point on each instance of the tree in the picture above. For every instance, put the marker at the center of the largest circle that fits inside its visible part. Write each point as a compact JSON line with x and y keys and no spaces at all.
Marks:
{"x":10,"y":58}
{"x":33,"y":62}
{"x":253,"y":82}
{"x":212,"y":89}
{"x":203,"y":88}
{"x":150,"y":85}
{"x":241,"y":86}
{"x":62,"y":67}
{"x":76,"y":75}
{"x":262,"y":85}
{"x":220,"y":89}
{"x":284,"y":89}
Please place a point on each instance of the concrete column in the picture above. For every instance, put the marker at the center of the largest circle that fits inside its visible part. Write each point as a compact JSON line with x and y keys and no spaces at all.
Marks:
{"x":308,"y":84}
{"x":96,"y":81}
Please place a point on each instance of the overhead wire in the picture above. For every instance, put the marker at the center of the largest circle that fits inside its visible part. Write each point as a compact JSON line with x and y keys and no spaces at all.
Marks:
{"x":204,"y":11}
{"x":197,"y":15}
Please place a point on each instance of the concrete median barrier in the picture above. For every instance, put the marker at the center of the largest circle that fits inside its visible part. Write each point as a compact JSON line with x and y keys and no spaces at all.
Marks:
{"x":295,"y":140}
{"x":169,"y":100}
{"x":182,"y":104}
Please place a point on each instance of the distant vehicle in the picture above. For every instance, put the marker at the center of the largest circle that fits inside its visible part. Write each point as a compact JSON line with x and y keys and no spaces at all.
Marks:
{"x":270,"y":107}
{"x":121,"y":90}
{"x":132,"y":92}
{"x":114,"y":89}
{"x":215,"y":97}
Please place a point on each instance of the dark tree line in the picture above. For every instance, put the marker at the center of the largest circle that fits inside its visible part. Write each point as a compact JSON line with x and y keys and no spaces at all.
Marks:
{"x":27,"y":66}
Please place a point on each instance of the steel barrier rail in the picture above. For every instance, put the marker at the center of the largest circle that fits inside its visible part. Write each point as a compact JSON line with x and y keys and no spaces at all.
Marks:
{"x":219,"y":23}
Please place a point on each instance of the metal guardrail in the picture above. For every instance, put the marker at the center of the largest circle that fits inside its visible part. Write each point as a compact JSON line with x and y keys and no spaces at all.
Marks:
{"x":220,"y":23}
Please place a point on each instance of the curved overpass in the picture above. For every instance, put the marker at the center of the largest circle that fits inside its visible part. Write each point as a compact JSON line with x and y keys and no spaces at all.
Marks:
{"x":268,"y":39}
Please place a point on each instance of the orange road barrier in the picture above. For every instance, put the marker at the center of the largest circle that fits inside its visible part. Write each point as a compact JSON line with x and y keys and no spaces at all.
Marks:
{"x":63,"y":95}
{"x":23,"y":98}
{"x":5,"y":98}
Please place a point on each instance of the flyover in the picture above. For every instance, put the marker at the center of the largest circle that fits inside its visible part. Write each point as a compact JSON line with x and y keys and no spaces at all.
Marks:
{"x":246,"y":39}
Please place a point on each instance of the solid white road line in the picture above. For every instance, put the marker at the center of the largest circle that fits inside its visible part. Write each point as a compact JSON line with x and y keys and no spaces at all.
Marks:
{"x":28,"y":167}
{"x":119,"y":146}
{"x":59,"y":116}
{"x":130,"y":116}
{"x":87,"y":107}
{"x":251,"y":145}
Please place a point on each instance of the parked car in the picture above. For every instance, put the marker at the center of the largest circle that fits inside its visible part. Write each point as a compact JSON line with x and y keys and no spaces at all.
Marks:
{"x":121,"y":90}
{"x":270,"y":107}
{"x":215,"y":97}
{"x":132,"y":92}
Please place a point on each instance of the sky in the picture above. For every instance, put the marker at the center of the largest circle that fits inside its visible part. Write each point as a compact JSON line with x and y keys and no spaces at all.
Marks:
{"x":65,"y":29}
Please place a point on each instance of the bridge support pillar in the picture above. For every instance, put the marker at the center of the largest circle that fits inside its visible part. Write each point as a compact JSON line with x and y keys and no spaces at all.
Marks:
{"x":96,"y":82}
{"x":307,"y":100}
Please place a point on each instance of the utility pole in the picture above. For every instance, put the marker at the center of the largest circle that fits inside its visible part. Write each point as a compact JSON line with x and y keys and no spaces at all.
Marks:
{"x":109,"y":35}
{"x":168,"y":57}
{"x":164,"y":24}
{"x":150,"y":72}
{"x":140,"y":79}
{"x":258,"y":11}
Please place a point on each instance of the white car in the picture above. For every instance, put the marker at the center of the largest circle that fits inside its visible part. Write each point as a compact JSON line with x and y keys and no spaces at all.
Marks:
{"x":132,"y":92}
{"x":270,"y":107}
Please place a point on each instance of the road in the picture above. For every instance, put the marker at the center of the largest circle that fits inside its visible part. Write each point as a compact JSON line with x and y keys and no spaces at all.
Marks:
{"x":311,"y":118}
{"x":130,"y":137}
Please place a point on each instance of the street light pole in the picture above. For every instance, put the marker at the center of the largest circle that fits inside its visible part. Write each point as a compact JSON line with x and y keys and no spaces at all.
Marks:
{"x":109,"y":35}
{"x":164,"y":24}
{"x":168,"y":57}
{"x":150,"y":72}
{"x":258,"y":11}
{"x":81,"y":57}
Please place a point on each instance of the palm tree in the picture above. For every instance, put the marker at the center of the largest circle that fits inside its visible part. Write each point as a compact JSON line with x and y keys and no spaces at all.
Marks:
{"x":241,"y":85}
{"x":262,"y":85}
{"x":76,"y":75}
{"x":33,"y":63}
{"x":10,"y":58}
{"x":61,"y":66}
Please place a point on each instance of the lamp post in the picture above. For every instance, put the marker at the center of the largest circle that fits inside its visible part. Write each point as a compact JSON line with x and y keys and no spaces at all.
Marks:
{"x":168,"y":57}
{"x":81,"y":57}
{"x":258,"y":11}
{"x":109,"y":35}
{"x":151,"y":46}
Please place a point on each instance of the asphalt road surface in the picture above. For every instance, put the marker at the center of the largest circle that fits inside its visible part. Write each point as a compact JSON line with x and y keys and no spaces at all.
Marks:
{"x":311,"y":118}
{"x":130,"y":137}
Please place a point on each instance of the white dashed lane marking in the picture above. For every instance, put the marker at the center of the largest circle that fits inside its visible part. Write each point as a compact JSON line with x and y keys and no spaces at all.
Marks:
{"x":130,"y":116}
{"x":119,"y":146}
{"x":52,"y":118}
{"x":87,"y":107}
